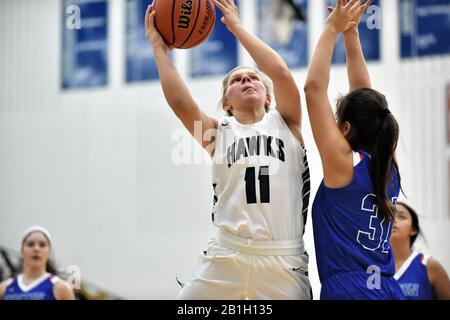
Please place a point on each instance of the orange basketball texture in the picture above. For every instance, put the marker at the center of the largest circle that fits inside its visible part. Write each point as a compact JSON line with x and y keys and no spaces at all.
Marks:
{"x":184,"y":24}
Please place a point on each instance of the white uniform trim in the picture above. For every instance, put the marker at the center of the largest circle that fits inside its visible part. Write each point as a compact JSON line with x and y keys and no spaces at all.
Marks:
{"x":425,"y":259}
{"x":54,"y":279}
{"x":405,"y":265}
{"x":32,"y":285}
{"x":356,"y":158}
{"x":264,"y":248}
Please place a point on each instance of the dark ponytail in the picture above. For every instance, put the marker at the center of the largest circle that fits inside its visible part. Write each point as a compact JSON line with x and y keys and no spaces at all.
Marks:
{"x":384,"y":165}
{"x":374,"y":130}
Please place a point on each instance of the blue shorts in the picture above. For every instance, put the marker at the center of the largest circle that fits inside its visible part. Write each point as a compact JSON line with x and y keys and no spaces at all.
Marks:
{"x":354,"y":286}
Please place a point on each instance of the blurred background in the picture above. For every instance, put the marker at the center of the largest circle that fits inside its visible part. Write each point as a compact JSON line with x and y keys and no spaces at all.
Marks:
{"x":90,"y":149}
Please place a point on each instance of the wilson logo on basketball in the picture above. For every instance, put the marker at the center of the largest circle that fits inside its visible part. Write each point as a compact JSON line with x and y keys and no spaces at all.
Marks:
{"x":186,"y":12}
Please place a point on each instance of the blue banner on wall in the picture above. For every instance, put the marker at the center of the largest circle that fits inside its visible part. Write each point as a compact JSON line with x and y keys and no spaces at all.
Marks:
{"x":284,"y":29}
{"x":424,"y":27}
{"x":85,"y":54}
{"x":369,"y":34}
{"x":140,"y":63}
{"x":218,"y":54}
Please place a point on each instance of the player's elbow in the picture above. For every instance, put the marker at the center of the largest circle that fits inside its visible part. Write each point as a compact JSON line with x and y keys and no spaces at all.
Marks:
{"x":281,"y":73}
{"x":284,"y":72}
{"x":177,"y":104}
{"x":312,"y":87}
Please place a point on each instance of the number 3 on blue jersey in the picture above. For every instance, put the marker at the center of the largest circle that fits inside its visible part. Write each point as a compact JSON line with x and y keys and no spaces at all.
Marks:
{"x":377,"y":236}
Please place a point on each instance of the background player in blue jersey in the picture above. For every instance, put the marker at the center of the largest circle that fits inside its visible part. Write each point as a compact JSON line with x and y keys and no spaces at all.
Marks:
{"x":420,"y":276}
{"x":37,"y":280}
{"x":353,"y":210}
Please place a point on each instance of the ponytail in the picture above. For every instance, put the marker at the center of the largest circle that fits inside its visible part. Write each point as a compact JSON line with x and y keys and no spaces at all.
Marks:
{"x":374,"y":130}
{"x":384,"y":166}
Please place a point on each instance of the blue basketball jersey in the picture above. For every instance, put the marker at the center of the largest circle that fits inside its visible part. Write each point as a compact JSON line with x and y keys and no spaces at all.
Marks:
{"x":351,"y":236}
{"x":413,"y":278}
{"x":40,"y":289}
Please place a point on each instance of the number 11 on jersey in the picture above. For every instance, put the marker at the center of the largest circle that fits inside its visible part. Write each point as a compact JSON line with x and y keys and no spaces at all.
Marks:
{"x":250,"y":184}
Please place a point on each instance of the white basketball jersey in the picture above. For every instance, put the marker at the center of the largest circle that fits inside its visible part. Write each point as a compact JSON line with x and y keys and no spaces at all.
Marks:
{"x":260,"y":179}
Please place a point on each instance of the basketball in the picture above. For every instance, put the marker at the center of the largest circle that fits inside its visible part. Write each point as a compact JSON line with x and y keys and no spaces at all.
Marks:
{"x":184,"y":24}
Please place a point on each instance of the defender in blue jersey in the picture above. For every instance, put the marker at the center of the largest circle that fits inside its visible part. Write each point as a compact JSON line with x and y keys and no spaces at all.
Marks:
{"x":353,"y":210}
{"x":420,"y":277}
{"x":40,"y":289}
{"x":36,"y":282}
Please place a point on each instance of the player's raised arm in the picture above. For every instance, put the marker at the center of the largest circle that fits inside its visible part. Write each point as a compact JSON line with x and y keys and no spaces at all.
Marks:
{"x":335,"y":151}
{"x":286,"y":93}
{"x":358,"y":75}
{"x":175,"y":90}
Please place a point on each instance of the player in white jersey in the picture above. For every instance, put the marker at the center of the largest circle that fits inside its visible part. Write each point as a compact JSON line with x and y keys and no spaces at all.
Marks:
{"x":260,"y":174}
{"x":257,"y":179}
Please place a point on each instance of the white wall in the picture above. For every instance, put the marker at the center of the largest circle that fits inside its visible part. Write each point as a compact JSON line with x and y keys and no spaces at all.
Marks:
{"x":95,"y":166}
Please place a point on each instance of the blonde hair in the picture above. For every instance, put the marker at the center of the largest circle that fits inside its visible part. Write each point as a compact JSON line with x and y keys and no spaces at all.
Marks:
{"x":264,"y":78}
